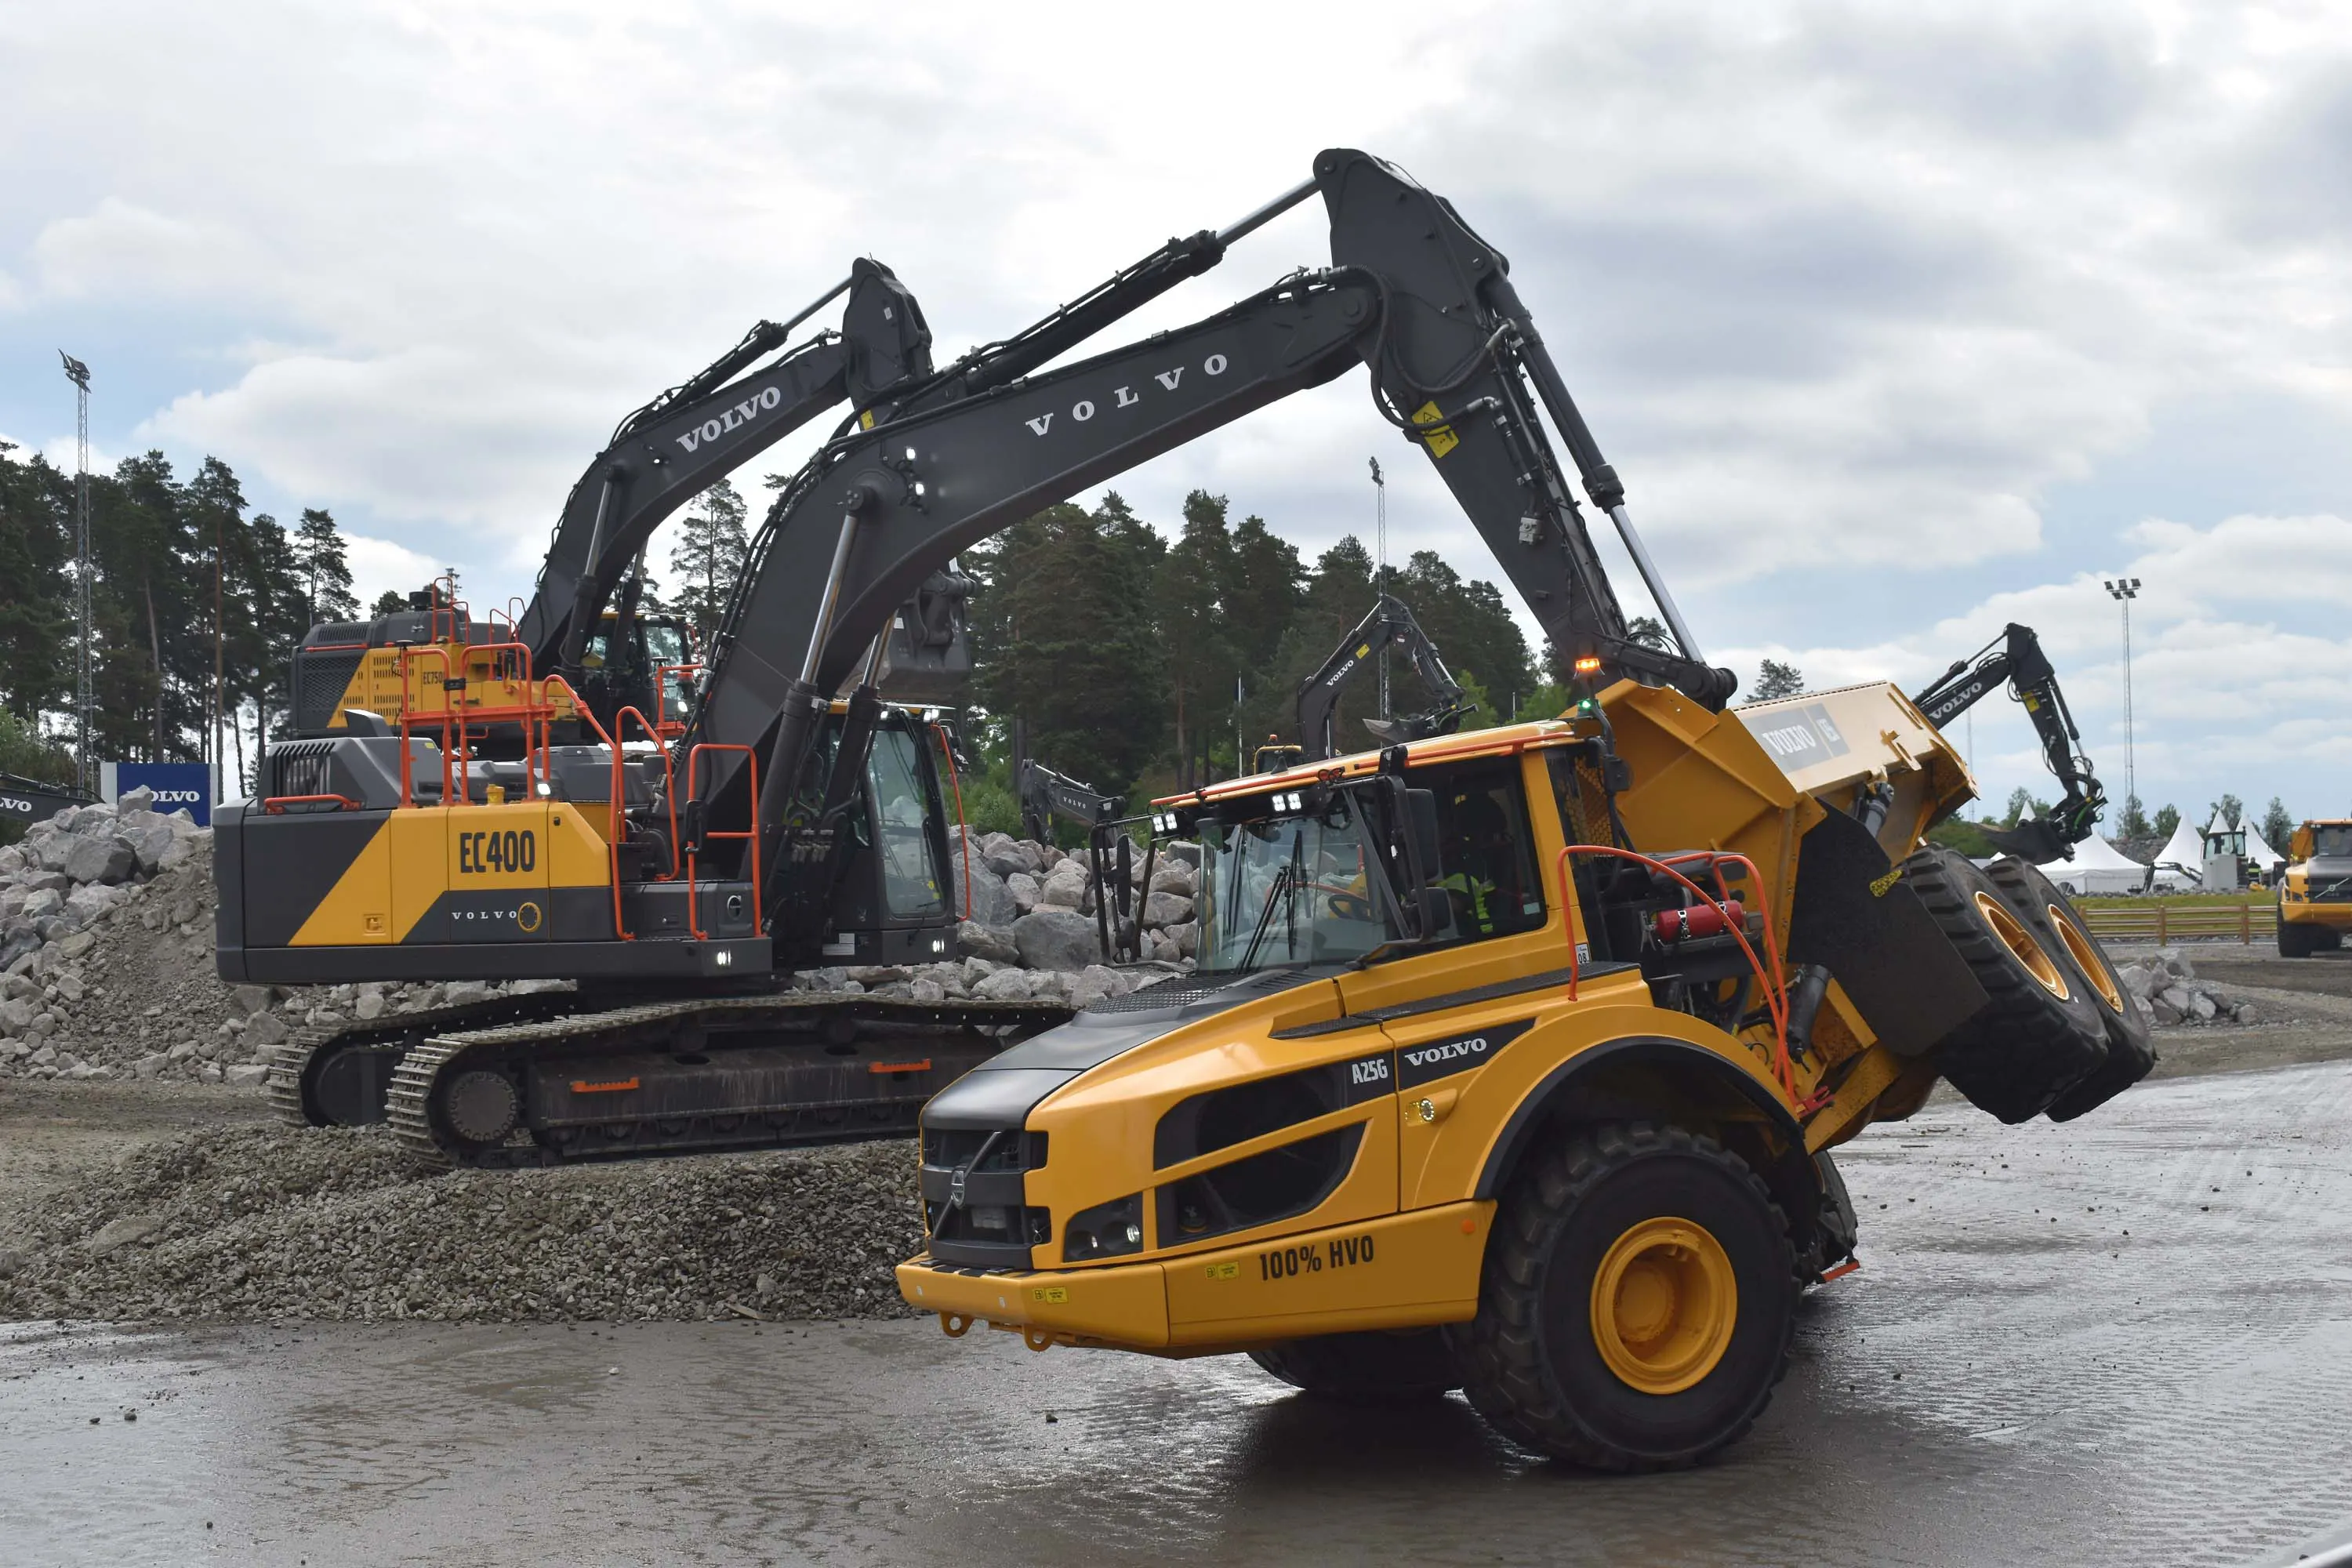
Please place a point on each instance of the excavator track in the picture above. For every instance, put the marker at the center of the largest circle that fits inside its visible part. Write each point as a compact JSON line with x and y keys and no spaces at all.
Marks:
{"x":332,"y":1075}
{"x":691,"y":1076}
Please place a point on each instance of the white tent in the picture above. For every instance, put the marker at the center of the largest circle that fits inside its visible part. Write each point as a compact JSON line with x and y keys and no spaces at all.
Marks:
{"x":2259,"y":854}
{"x":2098,"y":867}
{"x":2180,"y":864}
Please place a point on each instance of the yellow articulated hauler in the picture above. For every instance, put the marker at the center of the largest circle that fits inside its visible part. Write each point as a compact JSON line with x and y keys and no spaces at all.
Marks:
{"x":2315,"y":898}
{"x":1512,"y":1063}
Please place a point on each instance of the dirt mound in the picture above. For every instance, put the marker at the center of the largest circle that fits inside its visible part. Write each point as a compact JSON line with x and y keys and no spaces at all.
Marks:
{"x":246,"y":1222}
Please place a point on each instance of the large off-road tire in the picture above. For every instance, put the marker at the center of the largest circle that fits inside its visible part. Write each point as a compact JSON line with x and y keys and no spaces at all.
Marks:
{"x":2131,"y":1040}
{"x":1368,"y":1368}
{"x":1637,"y":1300}
{"x":2040,"y":1032}
{"x":2296,"y":941}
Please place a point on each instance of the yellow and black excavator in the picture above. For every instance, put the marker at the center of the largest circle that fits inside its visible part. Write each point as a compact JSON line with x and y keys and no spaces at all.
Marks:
{"x":1514,"y":1058}
{"x":499,"y":816}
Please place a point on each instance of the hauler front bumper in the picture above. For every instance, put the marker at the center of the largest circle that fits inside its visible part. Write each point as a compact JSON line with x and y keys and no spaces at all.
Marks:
{"x":1398,"y":1271}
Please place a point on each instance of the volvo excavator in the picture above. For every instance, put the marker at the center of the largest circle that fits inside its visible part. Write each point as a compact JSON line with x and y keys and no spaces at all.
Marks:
{"x":794,"y":820}
{"x":1513,"y":1060}
{"x":1388,"y":625}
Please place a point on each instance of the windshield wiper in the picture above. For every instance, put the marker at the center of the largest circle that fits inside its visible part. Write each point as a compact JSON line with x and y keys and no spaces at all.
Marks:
{"x":1282,"y":882}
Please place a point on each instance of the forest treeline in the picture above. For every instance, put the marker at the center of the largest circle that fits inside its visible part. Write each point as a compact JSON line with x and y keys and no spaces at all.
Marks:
{"x":1121,"y":647}
{"x":1130,"y":654}
{"x":173,"y":559}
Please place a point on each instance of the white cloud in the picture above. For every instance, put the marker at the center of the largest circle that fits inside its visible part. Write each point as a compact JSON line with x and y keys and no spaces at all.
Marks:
{"x":2226,"y":695}
{"x":131,"y":254}
{"x":378,"y":565}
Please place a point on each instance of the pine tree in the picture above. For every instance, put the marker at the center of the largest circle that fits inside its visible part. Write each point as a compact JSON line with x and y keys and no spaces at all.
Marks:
{"x":2168,"y":819}
{"x":36,"y":589}
{"x":708,"y":557}
{"x":2277,"y":825}
{"x":1774,"y":678}
{"x":325,"y":567}
{"x":1199,"y":656}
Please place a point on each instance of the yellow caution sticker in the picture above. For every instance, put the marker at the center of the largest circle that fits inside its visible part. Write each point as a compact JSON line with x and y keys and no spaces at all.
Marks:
{"x":1225,"y":1270}
{"x":866,"y":420}
{"x":1437,"y":436}
{"x":1878,"y":888}
{"x":1365,"y":651}
{"x":1051,"y":1294}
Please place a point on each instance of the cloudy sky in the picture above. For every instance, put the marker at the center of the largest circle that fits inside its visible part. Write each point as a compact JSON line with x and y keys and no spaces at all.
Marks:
{"x":1900,"y":322}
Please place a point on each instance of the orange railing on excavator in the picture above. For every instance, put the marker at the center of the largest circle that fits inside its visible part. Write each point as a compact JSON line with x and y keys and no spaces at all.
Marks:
{"x":458,"y":713}
{"x":751,"y":783}
{"x":670,"y":797}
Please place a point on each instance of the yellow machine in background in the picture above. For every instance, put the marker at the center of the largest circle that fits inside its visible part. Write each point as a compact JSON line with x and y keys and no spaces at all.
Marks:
{"x":2315,"y":898}
{"x":1513,"y":1062}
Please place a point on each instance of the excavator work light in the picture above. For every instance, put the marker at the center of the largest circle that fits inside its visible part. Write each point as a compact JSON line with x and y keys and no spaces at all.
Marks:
{"x":1588,"y":665}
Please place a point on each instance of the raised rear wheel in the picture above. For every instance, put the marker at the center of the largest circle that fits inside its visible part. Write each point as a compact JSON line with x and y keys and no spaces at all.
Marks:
{"x":1637,"y":1302}
{"x":2041,"y":1030}
{"x":2131,"y":1042}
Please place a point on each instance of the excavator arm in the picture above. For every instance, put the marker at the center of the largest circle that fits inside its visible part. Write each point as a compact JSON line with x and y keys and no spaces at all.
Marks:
{"x":1389,"y":624}
{"x":2015,"y":660}
{"x":678,"y":445}
{"x":1413,"y":295}
{"x":1045,"y":795}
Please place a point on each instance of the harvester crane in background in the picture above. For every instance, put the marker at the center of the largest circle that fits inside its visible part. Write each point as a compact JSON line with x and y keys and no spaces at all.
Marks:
{"x":2015,"y":660}
{"x":1388,"y":625}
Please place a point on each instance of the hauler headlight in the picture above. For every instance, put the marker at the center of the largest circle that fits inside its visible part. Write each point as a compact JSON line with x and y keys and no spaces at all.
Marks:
{"x":1105,"y":1230}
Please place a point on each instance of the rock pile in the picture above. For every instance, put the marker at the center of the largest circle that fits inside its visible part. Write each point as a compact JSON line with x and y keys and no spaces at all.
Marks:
{"x":1036,"y":905}
{"x":333,"y":1224}
{"x":2168,"y":986}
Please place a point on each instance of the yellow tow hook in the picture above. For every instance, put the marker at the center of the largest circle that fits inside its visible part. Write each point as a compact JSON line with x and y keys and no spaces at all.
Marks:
{"x":955,"y":1325}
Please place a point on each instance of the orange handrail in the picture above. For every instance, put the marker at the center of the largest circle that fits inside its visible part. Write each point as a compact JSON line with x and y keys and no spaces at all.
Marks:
{"x":669,"y":792}
{"x":751,"y":783}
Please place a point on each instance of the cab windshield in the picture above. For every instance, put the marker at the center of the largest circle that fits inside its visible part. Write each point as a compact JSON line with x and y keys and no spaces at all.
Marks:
{"x":2335,"y":839}
{"x":1290,"y":889}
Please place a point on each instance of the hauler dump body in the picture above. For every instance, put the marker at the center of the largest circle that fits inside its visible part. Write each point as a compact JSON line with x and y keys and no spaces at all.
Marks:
{"x":1514,"y":1060}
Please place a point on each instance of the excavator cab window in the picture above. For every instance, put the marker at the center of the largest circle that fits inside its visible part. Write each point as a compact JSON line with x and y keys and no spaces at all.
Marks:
{"x":1486,"y":863}
{"x":911,"y":884}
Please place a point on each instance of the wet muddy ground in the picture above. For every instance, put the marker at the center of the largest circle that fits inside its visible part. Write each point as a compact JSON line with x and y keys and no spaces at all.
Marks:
{"x":2124,"y":1340}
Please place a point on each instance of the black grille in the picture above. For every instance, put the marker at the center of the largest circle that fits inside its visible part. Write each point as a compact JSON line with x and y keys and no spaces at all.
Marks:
{"x":974,"y":1192}
{"x":301,"y":767}
{"x":1276,"y":1183}
{"x":1174,"y":993}
{"x":319,"y":682}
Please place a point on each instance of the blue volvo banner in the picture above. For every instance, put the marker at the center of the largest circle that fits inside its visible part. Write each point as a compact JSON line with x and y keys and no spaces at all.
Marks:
{"x":177,"y":785}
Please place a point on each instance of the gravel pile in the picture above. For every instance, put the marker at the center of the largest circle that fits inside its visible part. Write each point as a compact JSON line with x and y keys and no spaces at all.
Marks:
{"x":329,"y":1224}
{"x":2168,"y":986}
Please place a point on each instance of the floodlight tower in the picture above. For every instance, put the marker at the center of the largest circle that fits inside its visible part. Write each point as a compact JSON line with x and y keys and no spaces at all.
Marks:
{"x":2124,"y":590}
{"x":85,"y":773}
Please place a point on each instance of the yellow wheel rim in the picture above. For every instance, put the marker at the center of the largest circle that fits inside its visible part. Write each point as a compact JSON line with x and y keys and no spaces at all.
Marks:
{"x":2086,"y":958}
{"x":2018,"y":941}
{"x":1663,"y":1305}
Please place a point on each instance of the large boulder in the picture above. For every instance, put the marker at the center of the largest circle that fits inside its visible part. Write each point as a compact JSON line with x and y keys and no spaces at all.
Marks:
{"x":1180,"y":852}
{"x":148,"y":835}
{"x":990,"y":901}
{"x":93,"y":859}
{"x":87,"y":902}
{"x":1023,"y":889}
{"x":1173,"y":877}
{"x":1097,"y":981}
{"x":993,"y":941}
{"x":1057,"y":939}
{"x":1004,"y":986}
{"x":1065,"y":886}
{"x":1007,"y":855}
{"x":134,"y":802}
{"x":42,"y":903}
{"x":1167,"y":908}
